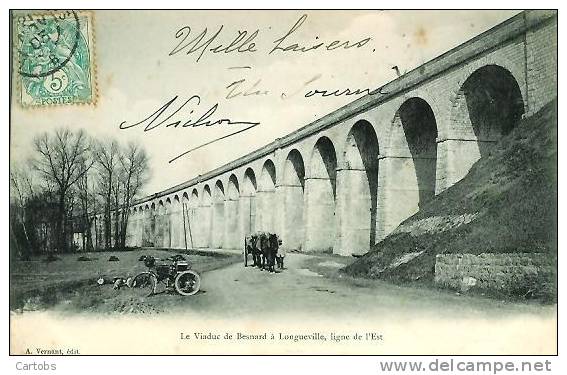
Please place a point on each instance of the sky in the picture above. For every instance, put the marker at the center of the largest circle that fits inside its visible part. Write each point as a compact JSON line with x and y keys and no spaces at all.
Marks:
{"x":142,"y":63}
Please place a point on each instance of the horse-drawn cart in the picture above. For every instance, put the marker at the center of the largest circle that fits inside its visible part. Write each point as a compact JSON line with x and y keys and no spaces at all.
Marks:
{"x":263,"y":246}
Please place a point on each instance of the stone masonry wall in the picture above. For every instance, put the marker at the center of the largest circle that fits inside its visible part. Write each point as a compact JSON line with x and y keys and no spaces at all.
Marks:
{"x":541,"y":64}
{"x":510,"y":273}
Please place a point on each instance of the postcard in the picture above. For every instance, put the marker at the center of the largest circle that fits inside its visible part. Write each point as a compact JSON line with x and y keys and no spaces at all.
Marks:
{"x":207,"y":182}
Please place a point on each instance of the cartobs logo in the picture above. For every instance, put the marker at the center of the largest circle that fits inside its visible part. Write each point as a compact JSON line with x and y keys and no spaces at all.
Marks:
{"x":34,"y":366}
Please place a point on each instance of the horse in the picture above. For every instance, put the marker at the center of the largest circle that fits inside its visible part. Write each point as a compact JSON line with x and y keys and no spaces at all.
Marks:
{"x":267,"y":244}
{"x":251,"y":248}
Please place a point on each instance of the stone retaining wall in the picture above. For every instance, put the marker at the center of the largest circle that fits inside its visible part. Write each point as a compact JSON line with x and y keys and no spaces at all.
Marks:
{"x":523,"y":274}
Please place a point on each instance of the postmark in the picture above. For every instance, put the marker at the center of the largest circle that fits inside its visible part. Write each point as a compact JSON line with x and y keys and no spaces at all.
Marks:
{"x":55,"y":58}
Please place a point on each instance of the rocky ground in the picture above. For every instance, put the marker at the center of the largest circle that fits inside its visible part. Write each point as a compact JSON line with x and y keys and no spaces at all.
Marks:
{"x":71,"y":279}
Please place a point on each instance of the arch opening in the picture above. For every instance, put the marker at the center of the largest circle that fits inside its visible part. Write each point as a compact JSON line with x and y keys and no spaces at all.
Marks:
{"x":218,"y":216}
{"x":205,"y":222}
{"x":232,"y":233}
{"x":248,"y":203}
{"x":189,"y":214}
{"x":488,"y":105}
{"x":145,"y":226}
{"x":359,"y":179}
{"x":159,"y":229}
{"x":166,"y":224}
{"x":416,"y":120}
{"x":176,"y":222}
{"x":320,"y":192}
{"x":151,"y":226}
{"x":293,"y":197}
{"x":266,"y":197}
{"x":409,"y":168}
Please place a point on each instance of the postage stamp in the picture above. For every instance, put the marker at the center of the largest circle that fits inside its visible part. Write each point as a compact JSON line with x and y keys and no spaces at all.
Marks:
{"x":55,"y":58}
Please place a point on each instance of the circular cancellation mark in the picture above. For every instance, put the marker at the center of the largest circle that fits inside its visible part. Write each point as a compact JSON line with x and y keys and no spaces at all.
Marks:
{"x":40,"y":46}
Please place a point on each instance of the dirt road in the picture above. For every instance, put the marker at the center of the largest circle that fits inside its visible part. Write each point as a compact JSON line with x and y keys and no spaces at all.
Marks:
{"x":307,"y":285}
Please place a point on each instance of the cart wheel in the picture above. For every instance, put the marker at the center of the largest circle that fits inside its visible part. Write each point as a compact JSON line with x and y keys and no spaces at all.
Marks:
{"x":187,"y":283}
{"x":144,"y":283}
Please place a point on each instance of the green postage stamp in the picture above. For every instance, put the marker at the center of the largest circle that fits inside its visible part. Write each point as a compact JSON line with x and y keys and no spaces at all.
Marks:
{"x":54,"y":54}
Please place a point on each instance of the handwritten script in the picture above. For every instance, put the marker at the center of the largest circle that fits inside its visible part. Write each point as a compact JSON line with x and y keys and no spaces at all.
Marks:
{"x":164,"y":116}
{"x":178,"y":113}
{"x":246,"y":42}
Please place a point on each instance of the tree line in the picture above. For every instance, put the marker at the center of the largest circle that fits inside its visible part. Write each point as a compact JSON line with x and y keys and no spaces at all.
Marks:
{"x":70,"y":177}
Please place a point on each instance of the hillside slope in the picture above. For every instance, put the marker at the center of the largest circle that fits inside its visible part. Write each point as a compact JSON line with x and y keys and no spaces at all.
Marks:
{"x":507,"y":203}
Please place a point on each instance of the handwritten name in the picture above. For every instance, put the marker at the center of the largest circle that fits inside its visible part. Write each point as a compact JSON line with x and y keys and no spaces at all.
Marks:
{"x":164,"y":116}
{"x":161,"y":118}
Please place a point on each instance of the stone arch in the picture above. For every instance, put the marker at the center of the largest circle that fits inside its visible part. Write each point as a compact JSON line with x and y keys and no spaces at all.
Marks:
{"x":205,"y":218}
{"x":320,"y":193}
{"x":408,"y":168}
{"x":233,"y":187}
{"x":266,"y":197}
{"x":207,"y":196}
{"x":416,"y":120}
{"x":166,"y":236}
{"x":292,"y":190}
{"x":145,"y":227}
{"x":217,"y":234}
{"x":489,"y":103}
{"x":248,"y":203}
{"x":268,"y":175}
{"x":149,"y":230}
{"x":487,"y":106}
{"x":176,"y":220}
{"x":250,"y":185}
{"x":131,"y":223}
{"x":358,"y":184}
{"x":233,"y":236}
{"x":294,"y":169}
{"x":189,"y":219}
{"x":159,"y":224}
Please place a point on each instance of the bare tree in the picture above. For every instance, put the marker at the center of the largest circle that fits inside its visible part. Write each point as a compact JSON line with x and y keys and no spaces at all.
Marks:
{"x":88,"y":206}
{"x":60,"y":160}
{"x":116,"y":202}
{"x":134,"y":164}
{"x":22,"y":190}
{"x":107,"y":158}
{"x":71,"y":192}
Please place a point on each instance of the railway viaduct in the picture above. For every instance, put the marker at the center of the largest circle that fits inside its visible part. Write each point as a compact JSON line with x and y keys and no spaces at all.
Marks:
{"x":345,"y":181}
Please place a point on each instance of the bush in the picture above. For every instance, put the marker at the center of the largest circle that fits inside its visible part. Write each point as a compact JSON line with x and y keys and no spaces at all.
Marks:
{"x":52,"y":258}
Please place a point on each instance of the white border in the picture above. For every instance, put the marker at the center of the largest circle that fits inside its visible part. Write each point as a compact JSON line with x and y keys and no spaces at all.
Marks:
{"x":247,"y":365}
